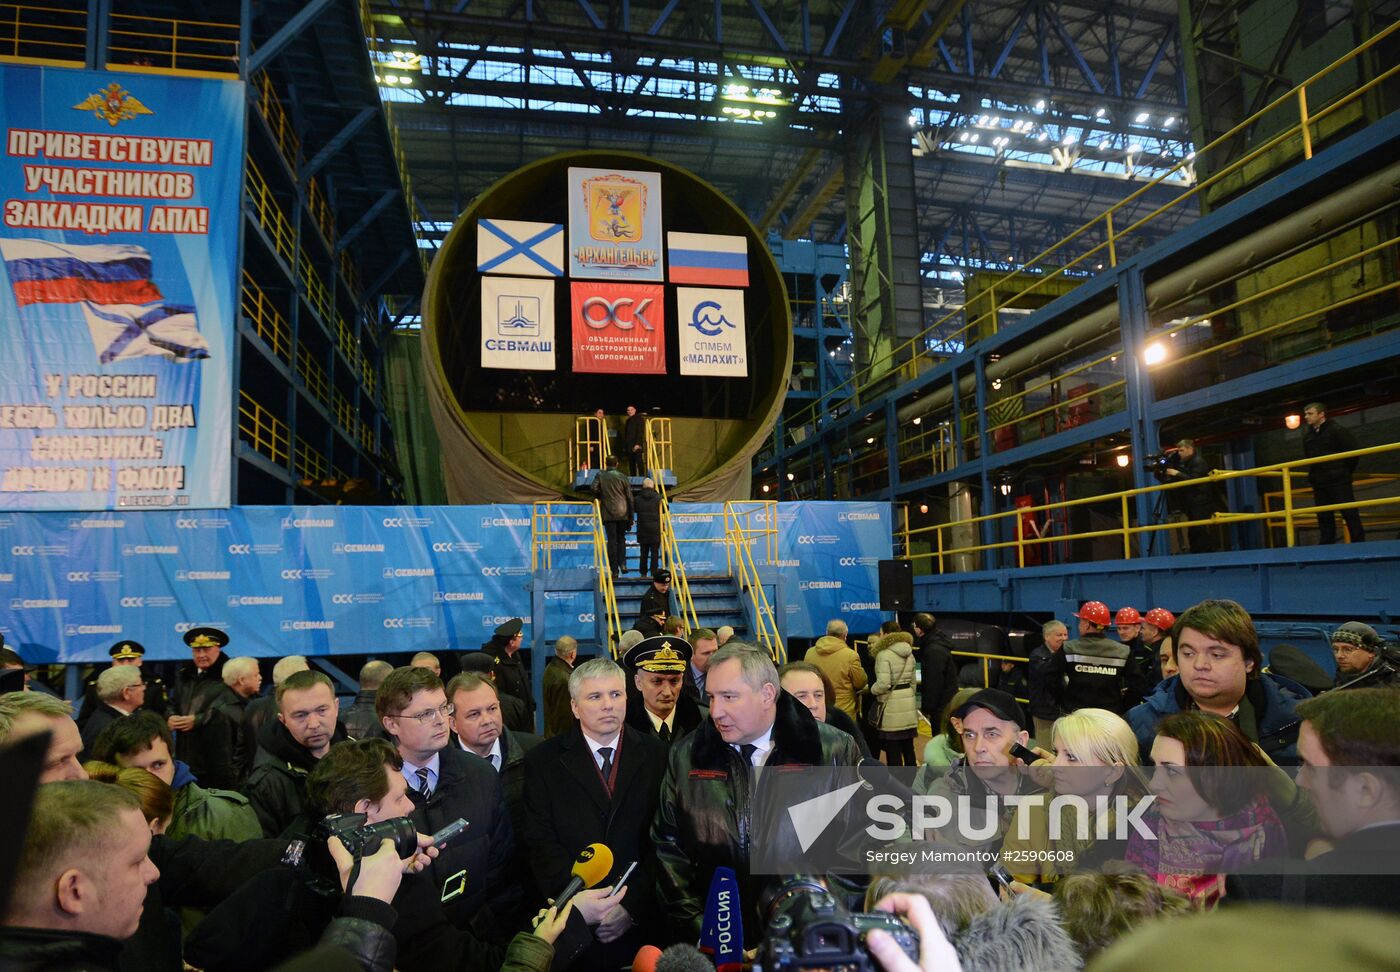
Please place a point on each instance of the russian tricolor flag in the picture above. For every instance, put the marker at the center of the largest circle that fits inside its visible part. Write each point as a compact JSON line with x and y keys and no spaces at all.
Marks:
{"x":708,"y":260}
{"x":59,"y":273}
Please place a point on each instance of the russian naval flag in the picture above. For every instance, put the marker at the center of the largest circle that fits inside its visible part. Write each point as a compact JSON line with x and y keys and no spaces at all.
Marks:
{"x":122,"y":331}
{"x":708,"y":260}
{"x":59,"y":273}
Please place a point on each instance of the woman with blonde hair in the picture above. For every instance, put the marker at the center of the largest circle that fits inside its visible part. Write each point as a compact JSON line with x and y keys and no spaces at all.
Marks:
{"x":156,"y":796}
{"x":1095,"y":763}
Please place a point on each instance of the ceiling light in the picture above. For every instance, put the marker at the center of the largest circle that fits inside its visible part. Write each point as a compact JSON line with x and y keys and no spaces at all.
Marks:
{"x":974,"y":138}
{"x":870,"y":440}
{"x":1105,"y":145}
{"x":1169,"y":122}
{"x":918,"y":420}
{"x":1100,"y":112}
{"x":923,"y":507}
{"x":1142,"y":117}
{"x":1134,"y":149}
{"x":996,"y":384}
{"x":1040,"y":105}
{"x":962,"y":136}
{"x":1292,"y":421}
{"x":1069,"y":139}
{"x":1005,"y":489}
{"x":791,"y":477}
{"x":1122,"y":459}
{"x":1042,"y":136}
{"x":913,"y":121}
{"x":765,"y":487}
{"x":1155,"y":353}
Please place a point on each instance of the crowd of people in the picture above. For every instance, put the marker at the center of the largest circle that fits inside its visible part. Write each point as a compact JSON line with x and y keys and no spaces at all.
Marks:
{"x":215,"y":826}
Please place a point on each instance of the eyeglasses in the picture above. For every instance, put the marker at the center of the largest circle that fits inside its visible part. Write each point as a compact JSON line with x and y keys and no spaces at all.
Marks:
{"x":1345,"y":649}
{"x":428,"y":716}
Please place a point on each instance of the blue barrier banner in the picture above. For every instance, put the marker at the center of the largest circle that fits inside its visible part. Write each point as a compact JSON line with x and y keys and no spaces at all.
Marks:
{"x":367,"y":579}
{"x":836,"y":549}
{"x":120,"y":286}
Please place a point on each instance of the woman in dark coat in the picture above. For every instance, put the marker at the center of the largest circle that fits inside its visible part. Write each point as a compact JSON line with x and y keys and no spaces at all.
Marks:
{"x":647,"y":505}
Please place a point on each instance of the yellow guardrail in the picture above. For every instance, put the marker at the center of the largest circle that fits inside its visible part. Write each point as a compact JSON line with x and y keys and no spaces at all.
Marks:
{"x":1286,"y":518}
{"x":264,"y":431}
{"x":1011,"y":287}
{"x":589,"y":448}
{"x":557,"y":526}
{"x":1299,"y":492}
{"x":670,"y":548}
{"x":747,"y":521}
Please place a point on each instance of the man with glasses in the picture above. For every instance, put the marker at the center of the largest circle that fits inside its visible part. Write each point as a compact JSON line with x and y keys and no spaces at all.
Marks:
{"x":306,"y":726}
{"x":472,"y":872}
{"x":1361,"y":659}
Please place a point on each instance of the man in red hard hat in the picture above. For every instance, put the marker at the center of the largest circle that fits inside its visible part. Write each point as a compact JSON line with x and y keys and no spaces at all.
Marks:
{"x":1093,"y":670}
{"x":1156,"y":635}
{"x":1129,"y":624}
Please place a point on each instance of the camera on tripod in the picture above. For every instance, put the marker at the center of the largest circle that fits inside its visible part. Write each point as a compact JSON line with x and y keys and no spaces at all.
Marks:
{"x":362,"y":838}
{"x":1159,"y":462}
{"x":809,"y":928}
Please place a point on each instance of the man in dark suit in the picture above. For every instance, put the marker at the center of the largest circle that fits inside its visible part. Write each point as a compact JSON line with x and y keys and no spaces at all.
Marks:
{"x":120,"y":692}
{"x":1349,"y":746}
{"x":703,"y":644}
{"x":479,"y":728}
{"x":597,"y":782}
{"x":126,"y":652}
{"x":445,"y":783}
{"x":659,"y":706}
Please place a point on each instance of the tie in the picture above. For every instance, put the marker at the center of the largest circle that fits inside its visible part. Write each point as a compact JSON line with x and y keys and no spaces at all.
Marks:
{"x":607,"y":753}
{"x":665,"y":733}
{"x":422,"y":774}
{"x":747,"y":750}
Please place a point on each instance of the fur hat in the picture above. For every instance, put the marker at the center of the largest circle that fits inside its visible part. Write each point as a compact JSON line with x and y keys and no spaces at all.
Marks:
{"x":1023,"y":933}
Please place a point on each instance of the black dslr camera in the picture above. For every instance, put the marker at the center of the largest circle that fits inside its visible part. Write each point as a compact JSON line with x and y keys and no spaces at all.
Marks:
{"x":809,"y":928}
{"x":362,"y":838}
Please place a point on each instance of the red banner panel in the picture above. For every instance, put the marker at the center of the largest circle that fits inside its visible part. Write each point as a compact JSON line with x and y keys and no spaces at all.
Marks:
{"x":619,"y":328}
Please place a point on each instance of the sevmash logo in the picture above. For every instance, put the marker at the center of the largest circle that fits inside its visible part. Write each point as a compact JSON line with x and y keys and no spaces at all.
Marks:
{"x":517,"y":316}
{"x":854,"y":517}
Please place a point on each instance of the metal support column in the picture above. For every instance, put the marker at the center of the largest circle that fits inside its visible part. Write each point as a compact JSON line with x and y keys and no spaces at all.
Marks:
{"x":989,"y":527}
{"x":883,"y":236}
{"x":1142,"y":430}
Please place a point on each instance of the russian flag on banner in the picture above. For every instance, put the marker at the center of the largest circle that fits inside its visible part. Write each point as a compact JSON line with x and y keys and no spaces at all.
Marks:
{"x":708,"y":260}
{"x":59,"y":273}
{"x":121,"y":331}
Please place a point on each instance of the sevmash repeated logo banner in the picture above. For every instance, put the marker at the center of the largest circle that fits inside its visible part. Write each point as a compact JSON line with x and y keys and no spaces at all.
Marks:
{"x":119,"y":245}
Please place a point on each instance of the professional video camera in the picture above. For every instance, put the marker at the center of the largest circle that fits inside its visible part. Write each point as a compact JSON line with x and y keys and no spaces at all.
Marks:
{"x":809,"y":928}
{"x":1159,"y":462}
{"x":360,"y":838}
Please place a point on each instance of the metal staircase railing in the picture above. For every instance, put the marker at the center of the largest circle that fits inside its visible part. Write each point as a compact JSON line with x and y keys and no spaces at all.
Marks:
{"x":746,"y":521}
{"x":658,"y":459}
{"x":547,"y":533}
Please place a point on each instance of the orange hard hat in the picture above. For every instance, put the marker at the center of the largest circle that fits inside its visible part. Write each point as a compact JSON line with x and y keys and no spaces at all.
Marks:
{"x":1127,"y":616}
{"x":1160,"y":618}
{"x":1095,"y":612}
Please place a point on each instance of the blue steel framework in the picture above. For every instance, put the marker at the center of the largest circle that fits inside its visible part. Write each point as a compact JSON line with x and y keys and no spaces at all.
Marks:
{"x":495,"y":84}
{"x":348,"y":242}
{"x":1307,"y":581}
